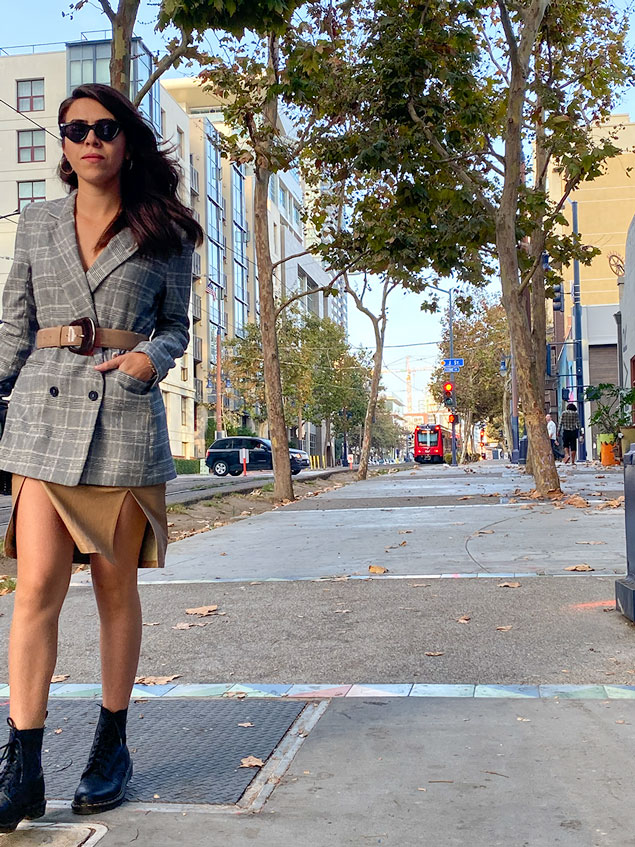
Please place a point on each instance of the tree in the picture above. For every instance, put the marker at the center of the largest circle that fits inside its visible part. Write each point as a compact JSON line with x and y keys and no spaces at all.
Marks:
{"x":122,"y":20}
{"x":460,"y":91}
{"x":387,"y":434}
{"x":481,"y":339}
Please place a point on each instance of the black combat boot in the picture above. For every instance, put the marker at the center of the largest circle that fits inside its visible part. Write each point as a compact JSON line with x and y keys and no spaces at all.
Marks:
{"x":103,"y":783}
{"x":21,"y":777}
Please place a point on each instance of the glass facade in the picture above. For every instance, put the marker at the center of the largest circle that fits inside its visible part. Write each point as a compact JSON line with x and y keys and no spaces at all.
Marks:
{"x":239,"y":248}
{"x":214,"y":222}
{"x":89,"y":61}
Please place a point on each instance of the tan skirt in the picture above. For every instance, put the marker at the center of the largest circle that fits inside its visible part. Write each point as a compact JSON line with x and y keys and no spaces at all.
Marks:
{"x":90,"y":514}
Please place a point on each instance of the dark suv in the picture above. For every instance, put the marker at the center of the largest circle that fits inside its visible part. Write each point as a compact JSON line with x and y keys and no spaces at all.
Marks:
{"x":223,"y":457}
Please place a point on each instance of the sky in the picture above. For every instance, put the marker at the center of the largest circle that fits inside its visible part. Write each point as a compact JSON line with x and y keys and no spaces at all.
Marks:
{"x":410,"y":332}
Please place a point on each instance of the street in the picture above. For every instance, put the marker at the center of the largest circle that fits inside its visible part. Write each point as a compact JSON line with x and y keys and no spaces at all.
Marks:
{"x":476,"y":690}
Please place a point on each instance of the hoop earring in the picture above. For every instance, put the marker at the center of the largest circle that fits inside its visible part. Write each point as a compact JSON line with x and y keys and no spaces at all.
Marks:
{"x":65,"y":172}
{"x":130,"y":164}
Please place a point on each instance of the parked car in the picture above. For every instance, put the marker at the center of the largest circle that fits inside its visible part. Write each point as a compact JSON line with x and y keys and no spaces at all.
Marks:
{"x":223,"y":457}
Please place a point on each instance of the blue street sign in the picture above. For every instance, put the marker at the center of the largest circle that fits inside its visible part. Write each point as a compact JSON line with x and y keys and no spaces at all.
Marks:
{"x":451,"y":370}
{"x":453,"y":363}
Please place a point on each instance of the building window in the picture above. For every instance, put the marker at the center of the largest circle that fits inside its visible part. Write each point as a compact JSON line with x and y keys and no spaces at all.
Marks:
{"x":31,"y":95}
{"x":180,"y":142}
{"x":31,"y":192}
{"x":183,"y":411}
{"x":89,"y":63}
{"x":163,"y":124}
{"x":31,"y":145}
{"x":283,"y":198}
{"x":297,"y":215}
{"x":276,"y":243}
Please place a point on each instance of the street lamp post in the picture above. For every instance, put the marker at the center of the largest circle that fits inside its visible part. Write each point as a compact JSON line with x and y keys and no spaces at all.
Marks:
{"x":451,"y":327}
{"x":577,"y":321}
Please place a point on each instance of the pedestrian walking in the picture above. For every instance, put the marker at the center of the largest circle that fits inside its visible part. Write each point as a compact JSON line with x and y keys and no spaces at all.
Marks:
{"x":569,"y":428}
{"x":552,"y":433}
{"x":95,"y":312}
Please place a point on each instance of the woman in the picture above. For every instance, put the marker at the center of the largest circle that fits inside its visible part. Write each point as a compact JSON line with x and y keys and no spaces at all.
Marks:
{"x":95,"y":313}
{"x":570,"y":428}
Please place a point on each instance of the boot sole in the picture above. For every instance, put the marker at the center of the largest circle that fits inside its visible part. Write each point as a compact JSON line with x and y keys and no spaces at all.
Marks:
{"x":33,"y":813}
{"x":106,"y":805}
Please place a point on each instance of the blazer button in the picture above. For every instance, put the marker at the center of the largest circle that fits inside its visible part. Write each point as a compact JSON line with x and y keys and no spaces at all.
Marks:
{"x":54,"y":390}
{"x":92,"y":395}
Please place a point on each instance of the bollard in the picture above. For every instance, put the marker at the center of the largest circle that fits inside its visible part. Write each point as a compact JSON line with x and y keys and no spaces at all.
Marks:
{"x":625,"y":588}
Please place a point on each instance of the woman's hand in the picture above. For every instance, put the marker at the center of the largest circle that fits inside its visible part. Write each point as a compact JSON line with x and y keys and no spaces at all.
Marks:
{"x":138,"y":365}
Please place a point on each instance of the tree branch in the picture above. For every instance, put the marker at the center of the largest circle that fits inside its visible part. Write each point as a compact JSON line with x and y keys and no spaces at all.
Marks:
{"x":462,"y":174}
{"x":108,"y":11}
{"x":509,"y":31}
{"x":164,"y":64}
{"x":302,"y":294}
{"x":288,"y":258}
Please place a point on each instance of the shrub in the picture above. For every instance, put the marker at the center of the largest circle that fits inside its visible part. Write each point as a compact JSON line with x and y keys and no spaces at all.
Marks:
{"x":187,"y":465}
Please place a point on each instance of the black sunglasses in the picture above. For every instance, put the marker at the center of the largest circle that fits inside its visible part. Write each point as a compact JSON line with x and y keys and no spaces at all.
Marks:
{"x":77,"y":131}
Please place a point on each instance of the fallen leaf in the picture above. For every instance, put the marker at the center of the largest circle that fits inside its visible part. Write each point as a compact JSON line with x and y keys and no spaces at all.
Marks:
{"x":590,"y":542}
{"x":503,"y":628}
{"x":156,"y":796}
{"x":403,"y":543}
{"x":467,"y":497}
{"x":420,"y":585}
{"x":202,"y":611}
{"x":377,"y":569}
{"x":251,"y":762}
{"x":433,"y":653}
{"x":581,"y":567}
{"x":484,"y":532}
{"x":57,"y":731}
{"x":152,"y":623}
{"x":464,"y":619}
{"x":509,"y":585}
{"x":341,"y":611}
{"x":60,"y":677}
{"x":524,"y":720}
{"x":554,"y":494}
{"x":577,"y":501}
{"x":156,"y":680}
{"x":188,"y":625}
{"x":247,"y":723}
{"x":405,"y":531}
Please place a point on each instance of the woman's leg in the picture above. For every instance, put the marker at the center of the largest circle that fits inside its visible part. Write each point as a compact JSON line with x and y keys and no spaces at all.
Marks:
{"x":45,"y":555}
{"x":115,"y":585}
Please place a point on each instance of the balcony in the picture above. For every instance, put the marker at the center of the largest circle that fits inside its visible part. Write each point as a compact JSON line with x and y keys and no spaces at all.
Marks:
{"x":198,"y":390}
{"x":196,"y":264}
{"x":194,"y":179}
{"x":197,"y":308}
{"x":197,"y":348}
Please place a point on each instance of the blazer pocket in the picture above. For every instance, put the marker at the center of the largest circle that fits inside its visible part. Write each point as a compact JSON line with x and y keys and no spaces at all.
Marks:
{"x":131,"y":383}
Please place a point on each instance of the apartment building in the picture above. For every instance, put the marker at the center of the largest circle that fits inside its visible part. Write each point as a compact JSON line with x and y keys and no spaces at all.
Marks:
{"x":220,"y":193}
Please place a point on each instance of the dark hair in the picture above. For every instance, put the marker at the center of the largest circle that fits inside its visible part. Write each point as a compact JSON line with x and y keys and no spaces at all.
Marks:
{"x":571,"y":407}
{"x":149,"y":202}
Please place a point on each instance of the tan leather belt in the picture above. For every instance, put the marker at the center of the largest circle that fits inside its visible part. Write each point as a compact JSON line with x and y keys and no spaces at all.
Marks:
{"x":82,"y":336}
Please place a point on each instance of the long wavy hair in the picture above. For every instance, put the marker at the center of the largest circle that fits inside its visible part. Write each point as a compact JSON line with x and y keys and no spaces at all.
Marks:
{"x":149,"y":180}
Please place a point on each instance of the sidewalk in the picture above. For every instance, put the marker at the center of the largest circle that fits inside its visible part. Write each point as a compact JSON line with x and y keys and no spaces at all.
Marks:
{"x":513,"y":730}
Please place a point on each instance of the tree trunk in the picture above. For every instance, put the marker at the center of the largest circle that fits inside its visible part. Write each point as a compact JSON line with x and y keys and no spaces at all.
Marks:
{"x":329,"y":450}
{"x":467,"y":435}
{"x":283,"y":486}
{"x":121,"y":46}
{"x":544,"y":468}
{"x":380,"y":331}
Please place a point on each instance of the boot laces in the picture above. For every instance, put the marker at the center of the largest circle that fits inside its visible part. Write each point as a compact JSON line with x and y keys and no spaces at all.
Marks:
{"x":10,"y":760}
{"x":103,"y":752}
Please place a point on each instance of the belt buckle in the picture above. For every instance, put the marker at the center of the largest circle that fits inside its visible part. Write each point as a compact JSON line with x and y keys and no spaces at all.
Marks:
{"x":87,"y":344}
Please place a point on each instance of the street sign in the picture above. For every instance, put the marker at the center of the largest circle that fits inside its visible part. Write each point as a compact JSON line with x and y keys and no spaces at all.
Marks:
{"x":453,"y":370}
{"x":453,"y":363}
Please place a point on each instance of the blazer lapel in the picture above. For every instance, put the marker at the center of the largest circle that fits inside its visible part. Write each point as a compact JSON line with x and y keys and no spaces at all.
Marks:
{"x":120,"y":247}
{"x":73,"y":278}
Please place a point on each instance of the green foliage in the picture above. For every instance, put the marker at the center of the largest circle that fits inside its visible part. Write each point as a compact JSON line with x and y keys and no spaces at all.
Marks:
{"x":235,"y":16}
{"x":481,"y":339}
{"x":322,"y":379}
{"x":614,"y":407}
{"x":386,"y":434}
{"x":187,"y":465}
{"x":240,"y":430}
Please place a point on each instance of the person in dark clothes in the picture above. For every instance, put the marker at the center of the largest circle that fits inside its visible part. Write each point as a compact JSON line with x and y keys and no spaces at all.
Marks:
{"x":569,"y":430}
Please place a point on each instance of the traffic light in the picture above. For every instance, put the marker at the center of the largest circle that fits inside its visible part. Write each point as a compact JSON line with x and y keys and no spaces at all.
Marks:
{"x":448,"y":391}
{"x":452,"y":418}
{"x":558,"y":302}
{"x":482,"y":434}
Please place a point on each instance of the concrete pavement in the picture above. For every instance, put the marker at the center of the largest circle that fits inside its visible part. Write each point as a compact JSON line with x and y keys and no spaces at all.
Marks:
{"x":493,"y":766}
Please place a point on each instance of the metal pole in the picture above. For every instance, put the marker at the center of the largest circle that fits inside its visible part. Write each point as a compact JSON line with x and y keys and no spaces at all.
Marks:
{"x":577,"y":318}
{"x":515,"y":433}
{"x":219,"y":386}
{"x":451,"y":323}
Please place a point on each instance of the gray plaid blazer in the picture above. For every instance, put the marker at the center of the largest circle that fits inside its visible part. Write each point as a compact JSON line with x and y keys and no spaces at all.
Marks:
{"x":67,"y":422}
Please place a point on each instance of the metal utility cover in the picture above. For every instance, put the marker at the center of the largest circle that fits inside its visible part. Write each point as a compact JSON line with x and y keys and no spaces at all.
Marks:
{"x":184,"y":751}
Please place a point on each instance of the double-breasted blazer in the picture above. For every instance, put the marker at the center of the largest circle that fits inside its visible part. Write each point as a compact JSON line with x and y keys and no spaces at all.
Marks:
{"x":67,"y":422}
